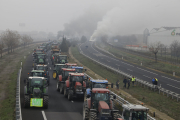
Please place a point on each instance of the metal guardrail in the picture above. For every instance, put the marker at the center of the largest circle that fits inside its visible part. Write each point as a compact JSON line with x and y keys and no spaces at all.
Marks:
{"x":142,"y":82}
{"x":18,"y":98}
{"x":122,"y":101}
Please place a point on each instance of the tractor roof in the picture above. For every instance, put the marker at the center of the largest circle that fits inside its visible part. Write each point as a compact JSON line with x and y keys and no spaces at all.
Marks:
{"x":41,"y":54}
{"x":55,"y":49}
{"x":76,"y":74}
{"x":62,"y":55}
{"x":36,"y":77}
{"x":71,"y":64}
{"x":39,"y":49}
{"x":59,"y":64}
{"x":37,"y":71}
{"x":76,"y":67}
{"x":99,"y":81}
{"x":100,"y":90}
{"x":42,"y":65}
{"x":68,"y":69}
{"x":135,"y":107}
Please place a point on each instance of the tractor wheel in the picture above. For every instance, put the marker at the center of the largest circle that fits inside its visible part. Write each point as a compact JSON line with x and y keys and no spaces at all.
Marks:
{"x":45,"y":102}
{"x":85,"y":112}
{"x":92,"y":116}
{"x":26,"y":101}
{"x":69,"y":97}
{"x":57,"y":87}
{"x":65,"y":93}
{"x":61,"y":89}
{"x":116,"y":115}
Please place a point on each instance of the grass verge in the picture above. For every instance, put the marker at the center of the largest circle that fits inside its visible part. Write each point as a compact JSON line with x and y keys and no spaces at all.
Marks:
{"x":148,"y":97}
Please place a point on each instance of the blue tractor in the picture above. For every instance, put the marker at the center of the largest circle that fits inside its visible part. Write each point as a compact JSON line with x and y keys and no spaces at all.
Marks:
{"x":77,"y":68}
{"x":95,"y":84}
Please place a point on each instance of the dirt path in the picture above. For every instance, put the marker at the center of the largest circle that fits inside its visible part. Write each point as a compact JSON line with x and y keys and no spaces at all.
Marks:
{"x":159,"y":114}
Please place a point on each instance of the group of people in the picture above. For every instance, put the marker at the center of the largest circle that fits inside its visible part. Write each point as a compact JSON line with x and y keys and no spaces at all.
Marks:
{"x":133,"y":80}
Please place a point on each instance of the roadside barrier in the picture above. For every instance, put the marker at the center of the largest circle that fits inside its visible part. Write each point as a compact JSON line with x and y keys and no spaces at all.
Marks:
{"x":18,"y":98}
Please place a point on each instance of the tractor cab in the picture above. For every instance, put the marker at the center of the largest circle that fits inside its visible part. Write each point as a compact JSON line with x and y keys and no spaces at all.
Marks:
{"x":134,"y":112}
{"x":36,"y":92}
{"x":39,"y":58}
{"x":69,"y":65}
{"x":100,"y":106}
{"x":42,"y":67}
{"x":62,"y":59}
{"x":78,"y":69}
{"x":63,"y":77}
{"x":75,"y":86}
{"x":58,"y":70}
{"x":40,"y":73}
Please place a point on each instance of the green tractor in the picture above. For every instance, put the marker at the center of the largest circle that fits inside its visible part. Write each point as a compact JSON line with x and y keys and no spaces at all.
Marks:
{"x":40,"y":58}
{"x":60,"y":59}
{"x":99,"y":106}
{"x":36,"y":92}
{"x":58,"y":70}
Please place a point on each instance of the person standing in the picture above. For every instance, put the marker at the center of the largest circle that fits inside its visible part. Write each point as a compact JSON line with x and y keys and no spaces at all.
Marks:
{"x":153,"y":81}
{"x":125,"y":81}
{"x":128,"y":82}
{"x":117,"y":84}
{"x":133,"y":80}
{"x":156,"y":81}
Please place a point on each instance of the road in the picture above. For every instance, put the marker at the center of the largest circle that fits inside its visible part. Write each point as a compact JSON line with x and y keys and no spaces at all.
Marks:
{"x":168,"y":82}
{"x":59,"y":106}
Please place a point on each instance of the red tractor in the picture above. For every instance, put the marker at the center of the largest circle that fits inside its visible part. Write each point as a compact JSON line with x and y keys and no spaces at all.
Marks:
{"x":75,"y":86}
{"x":70,"y":64}
{"x":62,"y":78}
{"x":99,"y":106}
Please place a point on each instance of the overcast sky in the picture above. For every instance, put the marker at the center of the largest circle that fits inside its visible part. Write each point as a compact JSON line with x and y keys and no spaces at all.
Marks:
{"x":51,"y":15}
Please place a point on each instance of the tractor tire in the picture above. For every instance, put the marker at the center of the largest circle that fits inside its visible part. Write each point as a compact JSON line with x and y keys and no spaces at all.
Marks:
{"x":85,"y":96}
{"x":57,"y":87}
{"x":69,"y":97}
{"x":61,"y":89}
{"x":92,"y":116}
{"x":65,"y":92}
{"x":45,"y":102}
{"x":116,"y":115}
{"x":85,"y":112}
{"x":26,"y":101}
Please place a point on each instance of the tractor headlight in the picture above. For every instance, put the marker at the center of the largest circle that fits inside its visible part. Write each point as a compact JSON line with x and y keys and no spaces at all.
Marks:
{"x":105,"y":112}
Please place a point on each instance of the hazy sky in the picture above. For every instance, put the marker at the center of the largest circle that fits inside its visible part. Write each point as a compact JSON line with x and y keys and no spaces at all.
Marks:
{"x":51,"y":15}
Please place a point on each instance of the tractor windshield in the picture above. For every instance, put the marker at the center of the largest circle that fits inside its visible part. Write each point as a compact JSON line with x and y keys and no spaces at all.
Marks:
{"x":55,"y":52}
{"x":99,"y":85}
{"x":79,"y":70}
{"x":38,"y":51}
{"x":38,"y":74}
{"x":41,"y":56}
{"x":100,"y":97}
{"x":40,"y":68}
{"x":62,"y":58}
{"x":139,"y":115}
{"x":36,"y":82}
{"x":77,"y":79}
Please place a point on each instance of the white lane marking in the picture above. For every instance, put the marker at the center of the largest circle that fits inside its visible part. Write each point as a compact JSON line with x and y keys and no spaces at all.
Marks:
{"x":170,"y":78}
{"x":127,"y":64}
{"x":117,"y":64}
{"x":48,"y":63}
{"x":129,"y":70}
{"x":147,"y":76}
{"x":44,"y":116}
{"x":173,"y":86}
{"x":147,"y":71}
{"x":50,"y":68}
{"x":108,"y":60}
{"x":72,"y":101}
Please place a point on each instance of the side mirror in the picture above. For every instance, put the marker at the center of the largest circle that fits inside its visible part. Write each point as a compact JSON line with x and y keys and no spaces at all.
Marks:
{"x":114,"y":97}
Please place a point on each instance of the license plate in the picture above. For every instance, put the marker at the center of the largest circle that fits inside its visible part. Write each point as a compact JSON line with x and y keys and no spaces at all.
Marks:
{"x":36,"y":102}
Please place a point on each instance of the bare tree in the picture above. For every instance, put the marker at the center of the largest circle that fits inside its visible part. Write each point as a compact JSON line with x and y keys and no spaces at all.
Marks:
{"x":175,"y":48}
{"x":26,"y":40}
{"x":154,"y":48}
{"x":1,"y":46}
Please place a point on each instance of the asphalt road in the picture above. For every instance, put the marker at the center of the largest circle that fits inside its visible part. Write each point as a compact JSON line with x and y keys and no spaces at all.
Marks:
{"x":168,"y":82}
{"x":59,"y":106}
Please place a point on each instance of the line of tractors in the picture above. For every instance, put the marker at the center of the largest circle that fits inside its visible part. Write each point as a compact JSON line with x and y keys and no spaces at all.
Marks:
{"x":73,"y":84}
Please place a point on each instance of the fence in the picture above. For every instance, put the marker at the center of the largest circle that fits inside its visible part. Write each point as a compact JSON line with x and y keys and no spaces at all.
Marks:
{"x":18,"y":98}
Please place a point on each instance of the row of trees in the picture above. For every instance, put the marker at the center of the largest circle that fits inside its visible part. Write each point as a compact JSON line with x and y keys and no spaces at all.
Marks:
{"x":11,"y":39}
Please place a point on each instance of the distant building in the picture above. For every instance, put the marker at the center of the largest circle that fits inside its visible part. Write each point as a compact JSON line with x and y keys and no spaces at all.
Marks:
{"x":165,"y":35}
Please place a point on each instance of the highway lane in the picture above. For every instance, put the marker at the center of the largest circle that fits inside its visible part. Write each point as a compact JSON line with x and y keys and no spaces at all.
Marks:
{"x":59,"y":106}
{"x":166,"y":81}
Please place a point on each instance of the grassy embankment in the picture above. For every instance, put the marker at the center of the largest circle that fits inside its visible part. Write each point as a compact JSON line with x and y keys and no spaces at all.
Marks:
{"x":158,"y":101}
{"x":149,"y":63}
{"x":9,"y":67}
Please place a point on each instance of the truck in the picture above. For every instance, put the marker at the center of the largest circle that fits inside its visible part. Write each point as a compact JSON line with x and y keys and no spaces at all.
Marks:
{"x":75,"y":86}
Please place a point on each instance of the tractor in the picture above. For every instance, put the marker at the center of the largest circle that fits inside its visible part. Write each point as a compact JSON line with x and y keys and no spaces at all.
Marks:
{"x":62,"y":78}
{"x":53,"y":56}
{"x":42,"y":67}
{"x":95,"y":84}
{"x":58,"y":70}
{"x":75,"y":86}
{"x":40,"y":73}
{"x":36,"y":92}
{"x":134,"y":112}
{"x":99,"y":106}
{"x":69,"y":65}
{"x":61,"y":59}
{"x":38,"y":56}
